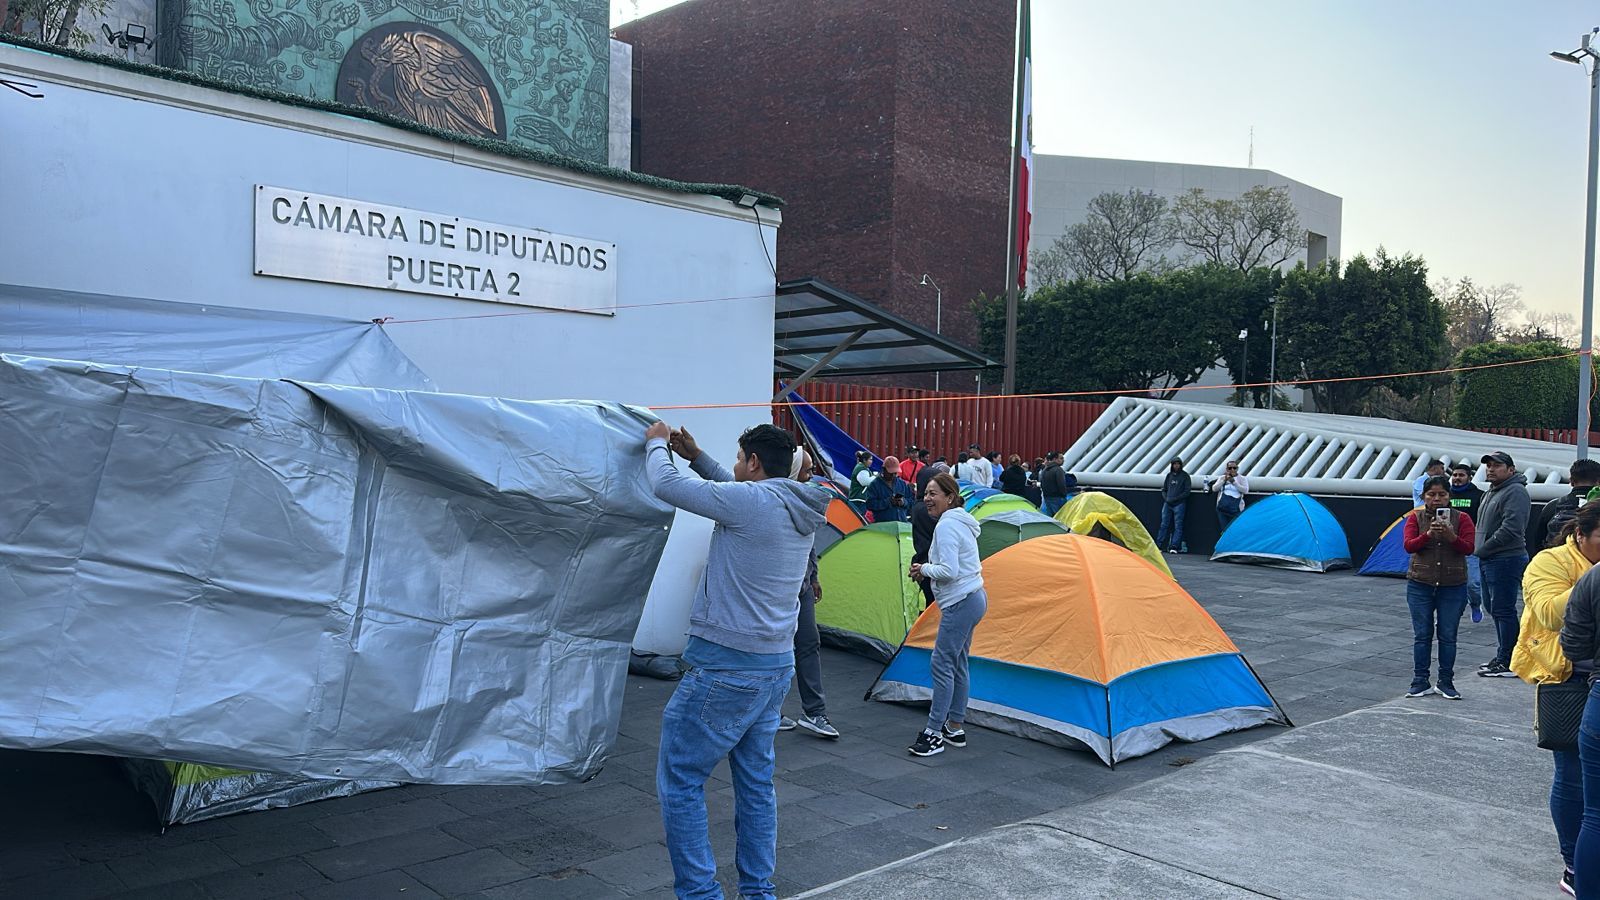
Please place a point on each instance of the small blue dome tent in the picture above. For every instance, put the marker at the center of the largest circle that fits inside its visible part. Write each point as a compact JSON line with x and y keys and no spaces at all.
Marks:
{"x":1292,"y":531}
{"x":1389,"y":556}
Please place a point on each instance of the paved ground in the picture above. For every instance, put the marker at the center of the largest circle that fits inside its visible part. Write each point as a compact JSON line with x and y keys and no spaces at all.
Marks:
{"x":1412,"y":798}
{"x":71,"y":827}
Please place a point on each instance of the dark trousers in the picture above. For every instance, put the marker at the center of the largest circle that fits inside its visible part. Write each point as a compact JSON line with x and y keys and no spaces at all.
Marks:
{"x":1502,"y":582}
{"x":1434,"y":611}
{"x":1566,"y":801}
{"x":1586,"y":855}
{"x":808,"y":657}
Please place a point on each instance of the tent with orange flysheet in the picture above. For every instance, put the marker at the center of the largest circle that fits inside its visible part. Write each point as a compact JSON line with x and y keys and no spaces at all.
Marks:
{"x":1086,"y":643}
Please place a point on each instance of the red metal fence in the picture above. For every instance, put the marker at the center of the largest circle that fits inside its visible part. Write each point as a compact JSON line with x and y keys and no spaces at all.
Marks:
{"x":1554,"y":435}
{"x":950,"y":422}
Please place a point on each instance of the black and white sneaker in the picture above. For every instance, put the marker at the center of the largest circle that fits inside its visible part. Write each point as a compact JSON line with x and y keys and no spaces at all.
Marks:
{"x":1496,"y":671}
{"x":1448,"y":691}
{"x":955,"y":738}
{"x":927,"y":743}
{"x":1420,"y":690}
{"x":1482,"y":666}
{"x":1567,"y":885}
{"x":819,"y":726}
{"x":785,"y":723}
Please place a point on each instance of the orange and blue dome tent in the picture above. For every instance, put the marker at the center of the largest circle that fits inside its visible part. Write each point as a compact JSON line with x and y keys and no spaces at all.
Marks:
{"x":842,"y":520}
{"x":1087,"y":644}
{"x":1388,"y":555}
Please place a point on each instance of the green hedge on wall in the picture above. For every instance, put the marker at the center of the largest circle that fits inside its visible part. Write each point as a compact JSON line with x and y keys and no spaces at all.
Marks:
{"x":1536,"y":395}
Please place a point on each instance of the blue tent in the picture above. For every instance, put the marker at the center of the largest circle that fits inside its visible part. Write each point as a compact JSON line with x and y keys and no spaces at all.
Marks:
{"x":1293,"y":531}
{"x":1389,"y":556}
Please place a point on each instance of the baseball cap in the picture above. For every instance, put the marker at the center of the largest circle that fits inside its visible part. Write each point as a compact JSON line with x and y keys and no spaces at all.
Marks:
{"x":1498,"y":456}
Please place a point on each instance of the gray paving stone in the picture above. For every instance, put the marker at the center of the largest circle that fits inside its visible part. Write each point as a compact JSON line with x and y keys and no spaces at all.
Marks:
{"x":393,"y":883}
{"x":557,"y":849}
{"x":478,"y":800}
{"x":350,"y":861}
{"x":274,"y":878}
{"x":573,"y":887}
{"x":257,"y":845}
{"x":846,"y":852}
{"x":176,"y":863}
{"x":632,"y":871}
{"x":629,"y":829}
{"x":502,"y":825}
{"x":399,"y":818}
{"x":20,"y":860}
{"x":467,"y":872}
{"x":91,"y":880}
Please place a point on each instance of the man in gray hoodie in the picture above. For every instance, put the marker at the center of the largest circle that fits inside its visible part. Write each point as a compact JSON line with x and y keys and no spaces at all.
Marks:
{"x":740,"y":654}
{"x":1502,"y":551}
{"x":1175,"y":492}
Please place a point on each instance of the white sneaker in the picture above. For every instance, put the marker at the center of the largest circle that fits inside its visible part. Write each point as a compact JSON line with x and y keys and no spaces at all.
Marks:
{"x":819,"y":726}
{"x":1423,"y":691}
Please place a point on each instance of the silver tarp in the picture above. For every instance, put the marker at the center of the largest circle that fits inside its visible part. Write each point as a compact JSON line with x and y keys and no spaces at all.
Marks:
{"x":334,"y":582}
{"x":194,"y":337}
{"x":185,"y":792}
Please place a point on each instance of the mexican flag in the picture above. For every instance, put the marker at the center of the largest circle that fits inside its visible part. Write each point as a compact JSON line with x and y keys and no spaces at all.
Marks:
{"x":1024,"y":146}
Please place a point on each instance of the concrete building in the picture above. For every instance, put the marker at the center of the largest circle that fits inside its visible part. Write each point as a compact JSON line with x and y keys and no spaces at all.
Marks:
{"x":1064,"y":185}
{"x":885,"y":129}
{"x":144,"y":186}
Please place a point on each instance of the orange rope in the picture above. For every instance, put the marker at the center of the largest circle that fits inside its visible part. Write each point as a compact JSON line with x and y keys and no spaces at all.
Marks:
{"x":1129,"y":391}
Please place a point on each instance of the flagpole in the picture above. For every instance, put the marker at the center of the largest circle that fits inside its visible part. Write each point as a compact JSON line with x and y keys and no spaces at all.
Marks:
{"x":1013,"y":252}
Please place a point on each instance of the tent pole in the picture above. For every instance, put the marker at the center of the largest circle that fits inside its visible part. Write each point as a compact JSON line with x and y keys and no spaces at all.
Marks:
{"x":817,"y":366}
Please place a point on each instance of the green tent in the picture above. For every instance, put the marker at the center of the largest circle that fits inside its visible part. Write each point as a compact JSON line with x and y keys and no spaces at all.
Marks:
{"x":1003,"y":529}
{"x":868,"y":602}
{"x":1000,"y":503}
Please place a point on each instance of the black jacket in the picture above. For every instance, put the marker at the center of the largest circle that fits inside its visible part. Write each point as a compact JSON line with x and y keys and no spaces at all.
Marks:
{"x":1014,"y":480}
{"x":1578,"y":638}
{"x":1176,"y":488}
{"x":1053,"y":483}
{"x":922,"y":524}
{"x":1539,"y":534}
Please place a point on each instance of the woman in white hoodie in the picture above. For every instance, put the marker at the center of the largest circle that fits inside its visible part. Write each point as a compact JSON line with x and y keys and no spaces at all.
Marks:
{"x":957,"y":579}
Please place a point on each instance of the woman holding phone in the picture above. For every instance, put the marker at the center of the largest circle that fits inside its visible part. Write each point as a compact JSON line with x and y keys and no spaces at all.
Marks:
{"x":1439,"y":539}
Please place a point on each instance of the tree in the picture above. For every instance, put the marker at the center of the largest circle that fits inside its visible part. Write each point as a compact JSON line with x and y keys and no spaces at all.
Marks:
{"x":1479,"y":315}
{"x":1150,"y":332}
{"x":1261,"y":228}
{"x":1378,"y":316}
{"x":1535,"y":395}
{"x":1122,"y":235}
{"x":56,"y":21}
{"x":1540,"y":325}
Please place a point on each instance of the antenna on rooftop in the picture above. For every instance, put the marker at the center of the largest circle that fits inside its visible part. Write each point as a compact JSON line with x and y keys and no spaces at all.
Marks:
{"x":1252,"y":146}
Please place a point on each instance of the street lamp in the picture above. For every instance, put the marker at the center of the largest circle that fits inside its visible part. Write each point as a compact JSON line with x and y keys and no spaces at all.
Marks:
{"x":1244,"y":363}
{"x":938,"y":313}
{"x":1586,"y":349}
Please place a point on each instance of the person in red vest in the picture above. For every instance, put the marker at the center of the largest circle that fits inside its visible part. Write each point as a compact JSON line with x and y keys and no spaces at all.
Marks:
{"x":912,"y":464}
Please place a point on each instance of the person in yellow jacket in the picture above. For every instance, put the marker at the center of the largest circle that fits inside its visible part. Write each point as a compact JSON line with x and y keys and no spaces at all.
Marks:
{"x":1546,"y":585}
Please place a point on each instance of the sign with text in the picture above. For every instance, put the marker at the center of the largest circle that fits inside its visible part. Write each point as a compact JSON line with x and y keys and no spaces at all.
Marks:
{"x":342,"y":241}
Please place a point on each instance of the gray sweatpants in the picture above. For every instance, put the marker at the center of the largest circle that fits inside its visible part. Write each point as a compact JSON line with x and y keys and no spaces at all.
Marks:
{"x":808,"y":657}
{"x":949,"y":663}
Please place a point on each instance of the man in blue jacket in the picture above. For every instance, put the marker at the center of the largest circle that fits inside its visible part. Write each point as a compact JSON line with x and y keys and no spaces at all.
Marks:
{"x":889,"y":496}
{"x":740,"y":654}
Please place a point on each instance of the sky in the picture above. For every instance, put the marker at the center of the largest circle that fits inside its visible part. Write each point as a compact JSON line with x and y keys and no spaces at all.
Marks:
{"x":1446,"y":127}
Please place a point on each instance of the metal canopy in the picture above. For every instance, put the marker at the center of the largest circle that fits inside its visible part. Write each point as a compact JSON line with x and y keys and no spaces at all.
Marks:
{"x":822,"y":330}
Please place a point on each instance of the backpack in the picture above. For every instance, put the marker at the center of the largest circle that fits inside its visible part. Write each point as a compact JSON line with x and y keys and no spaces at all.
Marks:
{"x":1565,"y":512}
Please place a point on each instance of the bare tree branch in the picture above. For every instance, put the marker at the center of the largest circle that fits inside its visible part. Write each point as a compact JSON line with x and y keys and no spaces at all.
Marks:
{"x":1261,"y":228}
{"x":1124,"y":234}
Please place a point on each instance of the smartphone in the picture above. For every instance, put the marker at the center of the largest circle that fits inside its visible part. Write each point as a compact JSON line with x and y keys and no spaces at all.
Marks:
{"x":1442,"y":514}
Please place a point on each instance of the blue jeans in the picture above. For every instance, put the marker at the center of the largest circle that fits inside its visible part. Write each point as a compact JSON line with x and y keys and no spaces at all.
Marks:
{"x":1434,"y":610}
{"x":711,"y":715}
{"x":1586,"y":853}
{"x":1566,"y":801}
{"x":1051,"y":504}
{"x":1474,"y":583}
{"x":949,"y":663}
{"x":1502,"y":581}
{"x":1172,"y":521}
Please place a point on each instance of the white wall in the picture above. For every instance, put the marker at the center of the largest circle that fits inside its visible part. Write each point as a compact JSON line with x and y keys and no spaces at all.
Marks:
{"x":1066,"y":184}
{"x":126,"y":196}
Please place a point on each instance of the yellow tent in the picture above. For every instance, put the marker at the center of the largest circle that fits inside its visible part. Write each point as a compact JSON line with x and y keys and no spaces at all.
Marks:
{"x":1103,"y":516}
